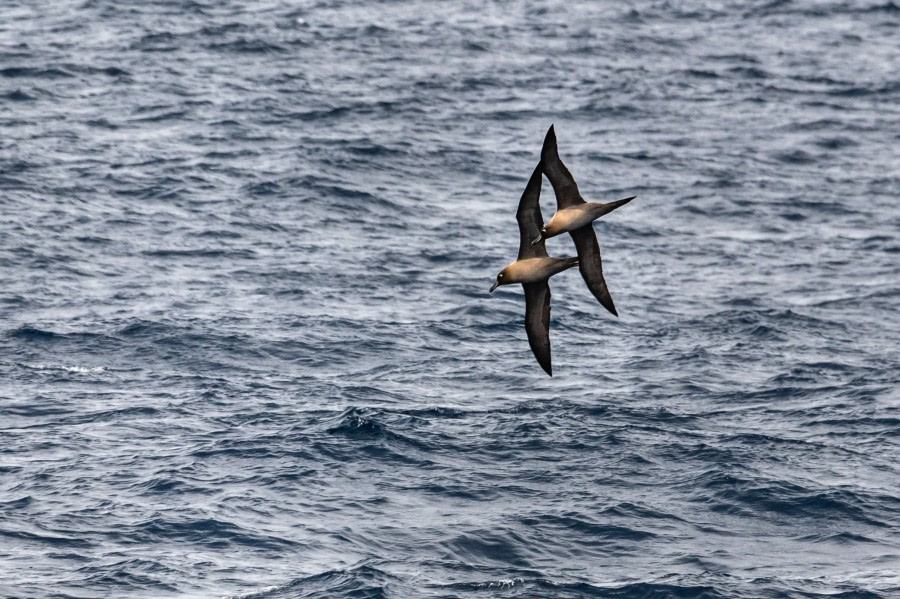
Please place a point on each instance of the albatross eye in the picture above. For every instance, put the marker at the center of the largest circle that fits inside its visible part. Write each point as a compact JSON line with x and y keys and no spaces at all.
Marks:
{"x":500,"y":276}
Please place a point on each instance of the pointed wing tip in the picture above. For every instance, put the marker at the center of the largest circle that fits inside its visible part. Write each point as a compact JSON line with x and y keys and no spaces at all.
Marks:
{"x":551,"y":136}
{"x":543,"y":359}
{"x":606,"y":301}
{"x":549,"y":153}
{"x":602,"y":294}
{"x":612,"y":309}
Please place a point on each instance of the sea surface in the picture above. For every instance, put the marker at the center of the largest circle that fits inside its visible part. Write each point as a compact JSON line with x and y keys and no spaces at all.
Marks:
{"x":247,"y":348}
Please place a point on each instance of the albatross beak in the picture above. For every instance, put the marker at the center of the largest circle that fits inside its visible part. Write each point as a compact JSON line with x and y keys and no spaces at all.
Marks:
{"x":494,"y":286}
{"x":537,"y":241}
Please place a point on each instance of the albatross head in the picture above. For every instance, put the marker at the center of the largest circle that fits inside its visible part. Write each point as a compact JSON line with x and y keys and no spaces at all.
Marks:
{"x":502,"y":279}
{"x":541,"y":237}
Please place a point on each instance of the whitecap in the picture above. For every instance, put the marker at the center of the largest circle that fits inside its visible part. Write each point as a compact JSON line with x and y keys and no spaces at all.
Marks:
{"x":76,"y":369}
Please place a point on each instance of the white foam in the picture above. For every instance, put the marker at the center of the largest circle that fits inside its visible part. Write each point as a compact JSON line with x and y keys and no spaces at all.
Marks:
{"x":78,"y":369}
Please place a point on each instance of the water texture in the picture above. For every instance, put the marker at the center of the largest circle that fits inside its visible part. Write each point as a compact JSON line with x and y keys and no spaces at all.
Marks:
{"x":247,"y":349}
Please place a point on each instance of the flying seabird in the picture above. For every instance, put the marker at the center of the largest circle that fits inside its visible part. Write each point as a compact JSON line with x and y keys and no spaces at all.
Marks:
{"x":576,"y":216}
{"x":532,"y":269}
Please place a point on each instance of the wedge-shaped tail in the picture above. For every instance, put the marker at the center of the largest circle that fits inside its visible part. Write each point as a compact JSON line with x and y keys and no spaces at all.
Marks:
{"x":610,"y":206}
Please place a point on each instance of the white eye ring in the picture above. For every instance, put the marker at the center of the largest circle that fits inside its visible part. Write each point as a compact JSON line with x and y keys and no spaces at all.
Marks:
{"x":500,"y":276}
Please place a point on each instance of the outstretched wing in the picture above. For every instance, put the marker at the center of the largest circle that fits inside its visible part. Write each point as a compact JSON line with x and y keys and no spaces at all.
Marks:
{"x":530,"y":220}
{"x":590,"y":265}
{"x":537,"y":322}
{"x":563,"y":183}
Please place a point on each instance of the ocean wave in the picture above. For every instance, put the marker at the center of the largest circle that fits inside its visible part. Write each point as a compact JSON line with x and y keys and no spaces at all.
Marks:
{"x":248,"y":345}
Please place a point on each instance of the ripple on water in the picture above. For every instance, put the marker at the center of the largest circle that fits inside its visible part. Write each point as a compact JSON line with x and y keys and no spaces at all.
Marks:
{"x":248,"y":348}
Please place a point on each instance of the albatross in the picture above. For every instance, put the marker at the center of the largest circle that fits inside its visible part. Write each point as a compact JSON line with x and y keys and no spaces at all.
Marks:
{"x":533,"y":268}
{"x":577,"y":217}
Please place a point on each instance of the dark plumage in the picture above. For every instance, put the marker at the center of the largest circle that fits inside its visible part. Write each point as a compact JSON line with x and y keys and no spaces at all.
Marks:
{"x":579,"y":215}
{"x":532,"y":269}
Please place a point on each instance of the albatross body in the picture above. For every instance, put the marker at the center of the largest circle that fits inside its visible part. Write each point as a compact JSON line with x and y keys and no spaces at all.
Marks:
{"x":532,"y":268}
{"x":575,"y":216}
{"x":578,"y":215}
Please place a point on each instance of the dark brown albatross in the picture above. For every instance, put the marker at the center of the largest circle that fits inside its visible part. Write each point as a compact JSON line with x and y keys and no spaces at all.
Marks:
{"x":577,"y":217}
{"x":532,"y":269}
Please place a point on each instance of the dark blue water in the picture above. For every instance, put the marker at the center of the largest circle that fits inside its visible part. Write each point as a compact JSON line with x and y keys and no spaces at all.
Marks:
{"x":247,"y":349}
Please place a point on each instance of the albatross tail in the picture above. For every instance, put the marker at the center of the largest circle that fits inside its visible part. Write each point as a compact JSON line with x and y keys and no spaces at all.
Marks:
{"x":610,"y":206}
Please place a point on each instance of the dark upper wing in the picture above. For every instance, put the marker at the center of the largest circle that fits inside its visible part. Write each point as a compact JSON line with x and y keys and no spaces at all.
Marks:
{"x":590,"y":266}
{"x":530,"y":220}
{"x":537,"y":321}
{"x":563,"y":183}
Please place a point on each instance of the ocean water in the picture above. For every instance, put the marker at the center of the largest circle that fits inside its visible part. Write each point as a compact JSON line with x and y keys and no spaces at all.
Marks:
{"x":247,"y":349}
